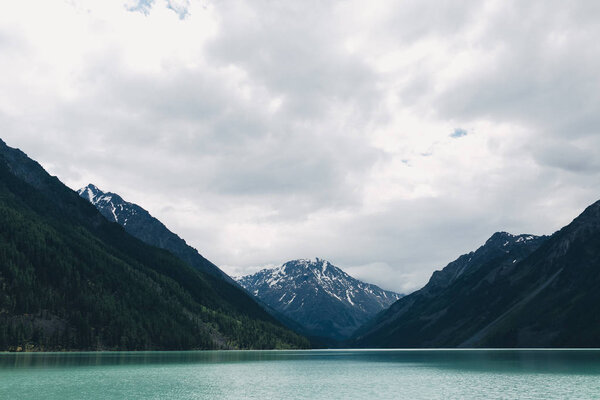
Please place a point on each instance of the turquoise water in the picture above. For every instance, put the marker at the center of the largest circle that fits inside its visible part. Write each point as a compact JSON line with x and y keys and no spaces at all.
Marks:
{"x":387,"y":374}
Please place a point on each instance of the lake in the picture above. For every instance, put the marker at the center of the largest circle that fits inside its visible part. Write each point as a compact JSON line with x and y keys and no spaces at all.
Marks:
{"x":315,"y":374}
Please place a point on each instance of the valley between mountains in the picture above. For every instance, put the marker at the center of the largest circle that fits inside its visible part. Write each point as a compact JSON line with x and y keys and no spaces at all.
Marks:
{"x":88,"y":270}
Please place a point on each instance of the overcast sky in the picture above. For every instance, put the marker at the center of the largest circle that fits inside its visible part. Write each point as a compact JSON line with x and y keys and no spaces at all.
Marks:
{"x":387,"y":137}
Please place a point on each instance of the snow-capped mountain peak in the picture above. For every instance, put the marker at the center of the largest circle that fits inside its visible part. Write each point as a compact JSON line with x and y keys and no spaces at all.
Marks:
{"x":318,"y":295}
{"x":90,"y":193}
{"x":111,"y":205}
{"x":139,"y":223}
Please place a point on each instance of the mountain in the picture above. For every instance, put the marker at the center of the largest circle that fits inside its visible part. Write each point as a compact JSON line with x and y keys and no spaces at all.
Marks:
{"x":501,"y":248}
{"x":514,"y":291}
{"x":72,"y":280}
{"x":139,"y":223}
{"x":321,"y":298}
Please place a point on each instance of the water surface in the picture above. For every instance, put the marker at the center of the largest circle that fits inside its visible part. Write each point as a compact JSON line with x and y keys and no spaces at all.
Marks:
{"x":336,"y":374}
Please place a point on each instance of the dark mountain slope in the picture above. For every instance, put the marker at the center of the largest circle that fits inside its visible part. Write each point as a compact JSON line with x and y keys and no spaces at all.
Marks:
{"x":139,"y":223}
{"x":548,"y":297}
{"x":72,"y":280}
{"x":321,"y":298}
{"x":439,"y":313}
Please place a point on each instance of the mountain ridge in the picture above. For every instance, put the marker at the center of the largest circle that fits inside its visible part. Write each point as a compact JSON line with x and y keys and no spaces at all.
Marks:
{"x":72,"y":280}
{"x":140,"y":223}
{"x":546,"y":297}
{"x":320,"y":297}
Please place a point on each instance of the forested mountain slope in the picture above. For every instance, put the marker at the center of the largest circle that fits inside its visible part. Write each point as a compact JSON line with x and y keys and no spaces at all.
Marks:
{"x":139,"y":223}
{"x":72,"y":280}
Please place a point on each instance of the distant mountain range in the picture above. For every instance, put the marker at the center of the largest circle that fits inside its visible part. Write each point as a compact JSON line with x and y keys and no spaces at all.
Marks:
{"x":321,"y":298}
{"x":72,"y":280}
{"x":108,"y":276}
{"x":139,"y":223}
{"x":514,"y":291}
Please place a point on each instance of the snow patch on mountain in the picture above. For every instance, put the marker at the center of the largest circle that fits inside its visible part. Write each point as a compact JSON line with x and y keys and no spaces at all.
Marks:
{"x":333,"y":303}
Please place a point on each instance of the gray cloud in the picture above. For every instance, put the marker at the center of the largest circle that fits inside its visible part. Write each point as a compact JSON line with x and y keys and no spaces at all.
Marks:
{"x":573,"y":158}
{"x":540,"y":71}
{"x":262,"y":132}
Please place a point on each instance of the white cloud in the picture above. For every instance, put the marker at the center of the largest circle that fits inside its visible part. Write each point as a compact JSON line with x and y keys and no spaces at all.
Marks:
{"x":262,"y":132}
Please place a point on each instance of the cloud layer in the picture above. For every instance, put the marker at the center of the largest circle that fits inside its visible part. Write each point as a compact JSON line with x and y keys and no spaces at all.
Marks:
{"x":388,"y":138}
